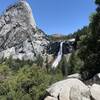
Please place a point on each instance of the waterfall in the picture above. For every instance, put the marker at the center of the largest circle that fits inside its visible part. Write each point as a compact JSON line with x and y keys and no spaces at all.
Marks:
{"x":59,"y":56}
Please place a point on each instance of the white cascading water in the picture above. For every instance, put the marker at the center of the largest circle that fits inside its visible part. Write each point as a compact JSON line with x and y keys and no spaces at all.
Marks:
{"x":58,"y":59}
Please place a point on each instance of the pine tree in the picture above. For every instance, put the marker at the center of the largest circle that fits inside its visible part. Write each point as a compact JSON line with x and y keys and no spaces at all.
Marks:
{"x":90,"y":51}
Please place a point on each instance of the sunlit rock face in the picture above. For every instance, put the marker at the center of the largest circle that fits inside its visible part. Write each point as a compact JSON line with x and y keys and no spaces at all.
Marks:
{"x":19,"y":35}
{"x":68,"y":89}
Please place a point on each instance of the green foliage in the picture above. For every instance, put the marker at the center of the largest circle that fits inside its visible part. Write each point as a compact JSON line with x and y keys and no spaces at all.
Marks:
{"x":39,"y":61}
{"x":83,"y":31}
{"x":26,"y":97}
{"x":64,"y":66}
{"x":91,"y":16}
{"x":3,"y":90}
{"x":97,"y":2}
{"x":68,"y":65}
{"x":90,"y":47}
{"x":75,"y":63}
{"x":27,"y":82}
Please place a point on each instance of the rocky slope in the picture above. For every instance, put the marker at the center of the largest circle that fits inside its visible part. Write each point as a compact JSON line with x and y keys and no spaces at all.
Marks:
{"x":73,"y":88}
{"x":19,"y":35}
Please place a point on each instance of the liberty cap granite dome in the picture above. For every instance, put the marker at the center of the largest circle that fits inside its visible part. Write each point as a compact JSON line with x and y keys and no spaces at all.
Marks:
{"x":19,"y":35}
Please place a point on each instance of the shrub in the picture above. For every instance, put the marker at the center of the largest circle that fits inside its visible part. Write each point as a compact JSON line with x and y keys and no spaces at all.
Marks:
{"x":75,"y":63}
{"x":39,"y":61}
{"x":27,"y":82}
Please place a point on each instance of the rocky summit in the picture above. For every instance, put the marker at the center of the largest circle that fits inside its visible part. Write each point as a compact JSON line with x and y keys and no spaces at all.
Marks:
{"x":19,"y":35}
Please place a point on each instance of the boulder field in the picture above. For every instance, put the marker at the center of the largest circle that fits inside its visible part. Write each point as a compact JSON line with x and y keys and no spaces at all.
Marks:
{"x":73,"y":88}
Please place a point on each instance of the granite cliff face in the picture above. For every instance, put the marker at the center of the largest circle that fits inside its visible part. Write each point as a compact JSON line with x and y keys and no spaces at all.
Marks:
{"x":53,"y":47}
{"x":19,"y":35}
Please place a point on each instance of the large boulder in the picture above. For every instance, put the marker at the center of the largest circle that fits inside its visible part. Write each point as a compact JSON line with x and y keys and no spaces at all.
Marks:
{"x":76,"y":75}
{"x":50,"y":98}
{"x":95,"y":91}
{"x":19,"y":35}
{"x":69,"y":89}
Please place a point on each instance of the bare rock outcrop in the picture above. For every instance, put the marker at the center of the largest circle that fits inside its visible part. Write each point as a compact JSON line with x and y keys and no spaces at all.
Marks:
{"x":50,"y":98}
{"x":69,"y":89}
{"x":19,"y":35}
{"x":95,"y":91}
{"x":74,"y":89}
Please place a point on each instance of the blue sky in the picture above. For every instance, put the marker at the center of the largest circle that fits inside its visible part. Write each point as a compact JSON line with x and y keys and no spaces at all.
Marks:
{"x":58,"y":16}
